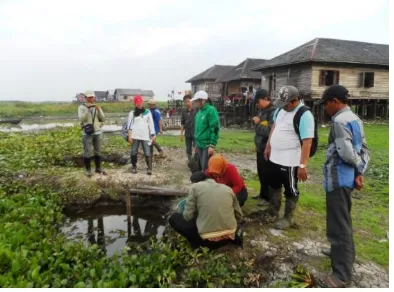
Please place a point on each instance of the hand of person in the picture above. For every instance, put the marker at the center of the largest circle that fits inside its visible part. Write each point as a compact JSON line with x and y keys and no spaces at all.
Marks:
{"x":359,"y":182}
{"x":97,"y":107}
{"x":211,"y":151}
{"x":153,"y":139}
{"x":130,"y":140}
{"x":256,"y":120}
{"x":182,"y":138}
{"x":194,"y":149}
{"x":302,"y":174}
{"x":161,"y":132}
{"x":267,"y":152}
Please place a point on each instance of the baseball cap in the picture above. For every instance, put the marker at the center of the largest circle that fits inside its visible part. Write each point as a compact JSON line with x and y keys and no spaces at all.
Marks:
{"x":334,"y":91}
{"x":261,"y":93}
{"x":89,"y":93}
{"x":152,"y":101}
{"x":138,"y":100}
{"x":286,"y":94}
{"x":200,"y":95}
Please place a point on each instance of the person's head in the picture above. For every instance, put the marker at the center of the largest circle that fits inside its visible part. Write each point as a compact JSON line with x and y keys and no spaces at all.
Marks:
{"x":217,"y":165}
{"x":334,"y":99}
{"x":138,"y":101}
{"x":288,"y":98}
{"x":187,"y":99}
{"x":200,"y":98}
{"x":90,"y":96}
{"x":198,"y":176}
{"x":152,"y":103}
{"x":262,"y":98}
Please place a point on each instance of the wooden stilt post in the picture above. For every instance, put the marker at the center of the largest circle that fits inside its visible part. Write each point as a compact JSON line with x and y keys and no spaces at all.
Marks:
{"x":128,"y":203}
{"x":374,"y":109}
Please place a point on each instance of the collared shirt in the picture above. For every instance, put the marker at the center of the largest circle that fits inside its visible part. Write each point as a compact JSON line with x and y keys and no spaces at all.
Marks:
{"x":187,"y":121}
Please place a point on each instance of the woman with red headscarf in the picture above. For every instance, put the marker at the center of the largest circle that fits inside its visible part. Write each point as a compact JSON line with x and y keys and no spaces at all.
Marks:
{"x":226,"y":173}
{"x":141,"y":131}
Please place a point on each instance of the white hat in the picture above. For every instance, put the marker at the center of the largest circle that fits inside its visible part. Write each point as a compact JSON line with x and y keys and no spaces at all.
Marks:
{"x":200,"y":95}
{"x":89,"y":93}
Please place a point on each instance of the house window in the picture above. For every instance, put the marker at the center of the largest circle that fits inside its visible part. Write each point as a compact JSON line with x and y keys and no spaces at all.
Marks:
{"x":367,"y":79}
{"x":328,"y":77}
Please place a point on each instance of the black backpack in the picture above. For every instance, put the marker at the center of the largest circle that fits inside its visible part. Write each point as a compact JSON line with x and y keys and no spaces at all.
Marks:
{"x":296,"y":124}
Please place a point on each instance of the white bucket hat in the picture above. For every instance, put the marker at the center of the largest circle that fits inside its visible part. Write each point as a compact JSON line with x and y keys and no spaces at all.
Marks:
{"x":200,"y":95}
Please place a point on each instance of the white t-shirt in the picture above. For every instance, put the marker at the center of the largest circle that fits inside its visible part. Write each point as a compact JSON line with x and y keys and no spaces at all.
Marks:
{"x":142,"y":126}
{"x":285,"y":143}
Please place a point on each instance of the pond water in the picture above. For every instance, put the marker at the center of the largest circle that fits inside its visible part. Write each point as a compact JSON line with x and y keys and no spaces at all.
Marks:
{"x":111,"y":228}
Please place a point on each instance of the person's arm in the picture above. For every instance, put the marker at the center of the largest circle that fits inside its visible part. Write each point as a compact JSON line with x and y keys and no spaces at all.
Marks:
{"x":267,"y":151}
{"x":151,"y":125}
{"x":214,"y":127}
{"x":343,"y":144}
{"x":130,"y":122}
{"x":100,"y":114}
{"x":307,"y":133}
{"x":158,"y":117}
{"x":183,"y":122}
{"x":237,"y":209}
{"x":83,"y":113}
{"x":236,"y":179}
{"x":190,"y":205}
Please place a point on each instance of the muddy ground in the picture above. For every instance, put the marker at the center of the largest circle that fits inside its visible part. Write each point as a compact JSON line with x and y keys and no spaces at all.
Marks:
{"x":273,"y":254}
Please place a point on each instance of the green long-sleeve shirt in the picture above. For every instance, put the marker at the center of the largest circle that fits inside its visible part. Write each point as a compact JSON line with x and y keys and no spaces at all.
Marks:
{"x":216,"y":207}
{"x":207,"y":126}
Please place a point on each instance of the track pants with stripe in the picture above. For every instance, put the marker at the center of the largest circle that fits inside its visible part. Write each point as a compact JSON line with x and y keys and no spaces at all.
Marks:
{"x":285,"y":176}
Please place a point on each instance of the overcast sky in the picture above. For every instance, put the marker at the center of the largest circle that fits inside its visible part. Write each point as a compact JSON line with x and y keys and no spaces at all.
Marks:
{"x":50,"y":50}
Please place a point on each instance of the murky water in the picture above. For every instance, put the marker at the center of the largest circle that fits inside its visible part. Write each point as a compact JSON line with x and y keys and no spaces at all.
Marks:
{"x":110,"y":228}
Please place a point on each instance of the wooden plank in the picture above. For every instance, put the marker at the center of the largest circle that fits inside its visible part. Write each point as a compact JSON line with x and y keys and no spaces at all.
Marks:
{"x":157,"y":192}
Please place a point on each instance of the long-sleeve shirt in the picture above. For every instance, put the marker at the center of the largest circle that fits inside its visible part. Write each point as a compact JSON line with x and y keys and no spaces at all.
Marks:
{"x":263,"y":128}
{"x":347,"y":154}
{"x":142,"y":127}
{"x":216,"y":207}
{"x":187,"y":121}
{"x":231,"y":178}
{"x":85,"y":116}
{"x":207,"y":126}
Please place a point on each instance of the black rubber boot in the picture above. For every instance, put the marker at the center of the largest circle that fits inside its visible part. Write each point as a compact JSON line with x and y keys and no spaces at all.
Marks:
{"x":134,"y":163}
{"x":149,"y":164}
{"x":86,"y":161}
{"x":97,"y":160}
{"x":287,"y":221}
{"x":274,"y":204}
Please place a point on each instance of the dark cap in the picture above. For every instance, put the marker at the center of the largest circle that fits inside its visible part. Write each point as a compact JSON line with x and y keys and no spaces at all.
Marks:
{"x":198,"y":176}
{"x":261,"y":93}
{"x":334,"y":91}
{"x":286,"y":94}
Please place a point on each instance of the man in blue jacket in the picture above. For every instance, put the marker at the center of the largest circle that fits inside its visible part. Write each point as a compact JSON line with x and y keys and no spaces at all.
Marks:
{"x":157,"y":121}
{"x":346,"y":162}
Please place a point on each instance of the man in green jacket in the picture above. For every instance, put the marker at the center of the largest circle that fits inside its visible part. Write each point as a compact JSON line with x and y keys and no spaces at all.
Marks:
{"x":210,"y":214}
{"x":207,"y":127}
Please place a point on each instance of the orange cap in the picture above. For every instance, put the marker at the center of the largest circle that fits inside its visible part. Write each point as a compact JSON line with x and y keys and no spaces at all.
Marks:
{"x":217,"y":164}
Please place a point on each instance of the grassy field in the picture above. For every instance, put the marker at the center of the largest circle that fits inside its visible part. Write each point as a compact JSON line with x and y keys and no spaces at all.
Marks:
{"x":30,"y":109}
{"x":34,"y":254}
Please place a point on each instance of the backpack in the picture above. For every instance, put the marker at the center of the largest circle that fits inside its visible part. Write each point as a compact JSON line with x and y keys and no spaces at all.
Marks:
{"x":296,"y":124}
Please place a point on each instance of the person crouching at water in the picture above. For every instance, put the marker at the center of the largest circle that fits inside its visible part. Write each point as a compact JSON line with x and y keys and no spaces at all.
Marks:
{"x":226,"y":173}
{"x":91,"y":116}
{"x":210,"y":214}
{"x":141,"y":132}
{"x":207,"y":127}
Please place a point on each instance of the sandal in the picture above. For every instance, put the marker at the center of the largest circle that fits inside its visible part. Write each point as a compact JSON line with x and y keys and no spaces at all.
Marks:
{"x":331,"y":282}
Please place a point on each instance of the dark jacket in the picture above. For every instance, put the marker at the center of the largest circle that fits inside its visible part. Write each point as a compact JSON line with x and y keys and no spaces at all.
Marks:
{"x":263,"y":129}
{"x":187,"y":121}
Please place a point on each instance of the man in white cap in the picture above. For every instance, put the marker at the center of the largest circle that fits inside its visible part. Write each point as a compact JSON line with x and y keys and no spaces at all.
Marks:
{"x":91,"y":116}
{"x":207,"y":127}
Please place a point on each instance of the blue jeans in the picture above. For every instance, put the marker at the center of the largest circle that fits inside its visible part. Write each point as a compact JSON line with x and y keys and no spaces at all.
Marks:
{"x":145,"y":147}
{"x":203,"y":154}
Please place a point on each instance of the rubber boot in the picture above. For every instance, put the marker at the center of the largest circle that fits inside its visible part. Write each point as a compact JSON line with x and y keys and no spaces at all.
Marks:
{"x":86,"y":161}
{"x":287,"y":221}
{"x":149,"y":164}
{"x":97,"y":160}
{"x":274,"y":204}
{"x":133,"y":163}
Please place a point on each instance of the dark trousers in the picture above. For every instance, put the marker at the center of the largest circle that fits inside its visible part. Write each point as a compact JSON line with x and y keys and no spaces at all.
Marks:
{"x":340,"y":233}
{"x":263,"y":169}
{"x":242,"y":196}
{"x":203,"y":154}
{"x":285,"y":176}
{"x":188,"y":229}
{"x":189,"y":141}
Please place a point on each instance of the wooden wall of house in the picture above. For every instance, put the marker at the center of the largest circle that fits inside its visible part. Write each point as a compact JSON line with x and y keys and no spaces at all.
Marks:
{"x":296,"y":75}
{"x":234,"y":86}
{"x":349,"y":77}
